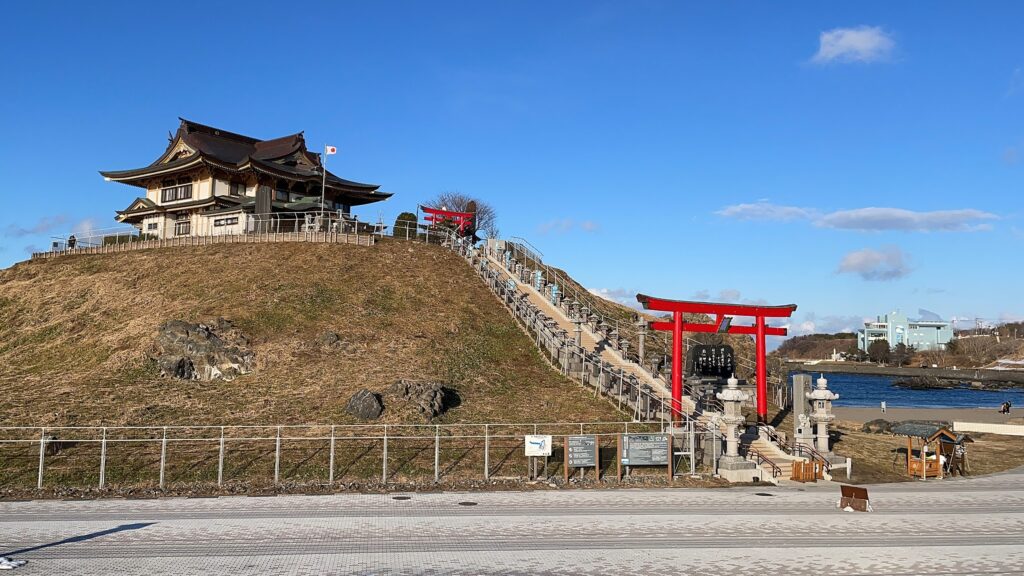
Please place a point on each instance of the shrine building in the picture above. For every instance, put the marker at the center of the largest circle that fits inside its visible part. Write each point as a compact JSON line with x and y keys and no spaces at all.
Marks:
{"x":210,"y":181}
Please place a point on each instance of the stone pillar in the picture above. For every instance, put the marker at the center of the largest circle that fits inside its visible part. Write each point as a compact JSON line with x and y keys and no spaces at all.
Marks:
{"x":577,"y":330}
{"x":821,"y":405}
{"x":732,"y":466}
{"x":803,"y":430}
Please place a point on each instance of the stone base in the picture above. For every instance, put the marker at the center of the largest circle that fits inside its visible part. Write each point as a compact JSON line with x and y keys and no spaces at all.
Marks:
{"x":738,"y":469}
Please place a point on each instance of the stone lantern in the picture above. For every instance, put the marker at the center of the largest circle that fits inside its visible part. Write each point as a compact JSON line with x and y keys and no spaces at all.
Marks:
{"x":732,"y":466}
{"x":821,"y":412}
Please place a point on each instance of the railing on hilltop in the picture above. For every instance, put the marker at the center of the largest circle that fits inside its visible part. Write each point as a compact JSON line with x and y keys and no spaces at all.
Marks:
{"x":207,"y":229}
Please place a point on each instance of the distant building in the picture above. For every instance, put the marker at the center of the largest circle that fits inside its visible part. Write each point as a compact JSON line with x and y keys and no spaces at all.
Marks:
{"x":897,"y":329}
{"x":211,"y":181}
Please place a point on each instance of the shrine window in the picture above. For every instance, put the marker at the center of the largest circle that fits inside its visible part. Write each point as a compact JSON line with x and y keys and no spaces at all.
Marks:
{"x":176,"y":192}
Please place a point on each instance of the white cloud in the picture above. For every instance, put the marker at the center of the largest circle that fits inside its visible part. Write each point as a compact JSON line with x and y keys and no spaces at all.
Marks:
{"x":43,"y":225}
{"x":1011,"y":156}
{"x":762,"y":210}
{"x":729,"y":295}
{"x":888,"y":263}
{"x":871,"y":219}
{"x":618,"y":295}
{"x":812,"y":324}
{"x":566,"y":225}
{"x":860,"y":44}
{"x":1016,"y":82}
{"x":868,"y":219}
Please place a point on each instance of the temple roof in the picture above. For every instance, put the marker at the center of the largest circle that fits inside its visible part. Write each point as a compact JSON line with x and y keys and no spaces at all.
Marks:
{"x":285,"y":157}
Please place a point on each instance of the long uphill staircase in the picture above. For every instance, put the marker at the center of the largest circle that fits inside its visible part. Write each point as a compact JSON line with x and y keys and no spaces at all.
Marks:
{"x":593,"y":348}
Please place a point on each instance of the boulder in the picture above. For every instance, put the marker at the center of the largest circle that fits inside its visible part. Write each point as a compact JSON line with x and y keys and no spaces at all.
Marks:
{"x":188,"y":351}
{"x":329,"y":338}
{"x":365,"y":405}
{"x":877,"y":426}
{"x":429,"y":398}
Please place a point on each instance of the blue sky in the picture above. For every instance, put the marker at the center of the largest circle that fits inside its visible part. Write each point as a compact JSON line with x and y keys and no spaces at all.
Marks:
{"x":852,"y":159}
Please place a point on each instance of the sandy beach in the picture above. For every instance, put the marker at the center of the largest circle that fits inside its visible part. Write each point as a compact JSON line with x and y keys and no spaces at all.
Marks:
{"x":861,"y":415}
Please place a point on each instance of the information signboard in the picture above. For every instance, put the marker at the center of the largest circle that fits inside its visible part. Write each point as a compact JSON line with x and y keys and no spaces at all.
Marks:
{"x":538,"y":445}
{"x":645,"y":449}
{"x":581,"y":451}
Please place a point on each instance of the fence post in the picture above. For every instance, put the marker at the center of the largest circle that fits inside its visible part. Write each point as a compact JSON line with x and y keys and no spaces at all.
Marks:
{"x":103,"y":459}
{"x":384,"y":464}
{"x":220,"y":459}
{"x":42,"y":456}
{"x":487,"y":452}
{"x":277,"y":457}
{"x":163,"y":457}
{"x":437,"y":453}
{"x":330,"y":474}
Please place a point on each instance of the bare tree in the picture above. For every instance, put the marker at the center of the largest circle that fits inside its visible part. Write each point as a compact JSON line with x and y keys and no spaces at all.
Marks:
{"x":486,"y":218}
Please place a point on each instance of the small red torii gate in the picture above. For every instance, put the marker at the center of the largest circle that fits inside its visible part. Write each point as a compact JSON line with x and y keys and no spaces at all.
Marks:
{"x":435,"y":216}
{"x":722,"y":314}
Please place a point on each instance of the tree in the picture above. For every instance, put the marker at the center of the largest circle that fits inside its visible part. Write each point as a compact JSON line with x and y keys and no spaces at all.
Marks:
{"x":902,"y":354}
{"x":486,"y":218}
{"x":405,"y":226}
{"x":878,"y":351}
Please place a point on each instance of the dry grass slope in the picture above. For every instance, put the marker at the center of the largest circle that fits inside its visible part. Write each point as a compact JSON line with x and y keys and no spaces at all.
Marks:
{"x":75,"y":333}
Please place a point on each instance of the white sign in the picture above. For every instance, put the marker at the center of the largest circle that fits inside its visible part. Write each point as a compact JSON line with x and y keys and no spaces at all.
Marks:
{"x":538,"y":445}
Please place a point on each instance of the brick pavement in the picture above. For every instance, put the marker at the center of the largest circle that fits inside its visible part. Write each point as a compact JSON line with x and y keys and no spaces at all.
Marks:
{"x":959,"y":526}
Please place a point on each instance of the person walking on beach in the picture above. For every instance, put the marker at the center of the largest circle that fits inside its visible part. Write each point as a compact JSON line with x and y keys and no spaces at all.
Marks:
{"x":883,"y":406}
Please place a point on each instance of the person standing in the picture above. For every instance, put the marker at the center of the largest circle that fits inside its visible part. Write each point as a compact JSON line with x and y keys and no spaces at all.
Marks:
{"x":883,"y":406}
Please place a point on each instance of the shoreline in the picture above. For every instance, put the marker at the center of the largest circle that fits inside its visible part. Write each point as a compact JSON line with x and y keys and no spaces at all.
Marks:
{"x":1012,"y":379}
{"x":861,"y":415}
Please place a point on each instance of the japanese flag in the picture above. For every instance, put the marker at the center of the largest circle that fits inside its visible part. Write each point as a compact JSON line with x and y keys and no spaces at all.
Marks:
{"x":330,"y":150}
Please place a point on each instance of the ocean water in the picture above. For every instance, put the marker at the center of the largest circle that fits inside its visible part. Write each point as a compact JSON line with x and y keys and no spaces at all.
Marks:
{"x":863,"y":390}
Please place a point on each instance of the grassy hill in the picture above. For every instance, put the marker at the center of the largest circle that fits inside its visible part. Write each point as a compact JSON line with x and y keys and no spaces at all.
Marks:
{"x":817,"y":346}
{"x":75,"y":334}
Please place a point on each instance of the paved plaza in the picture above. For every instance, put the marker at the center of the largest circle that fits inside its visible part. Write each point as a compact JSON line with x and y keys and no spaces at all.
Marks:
{"x":957,"y":526}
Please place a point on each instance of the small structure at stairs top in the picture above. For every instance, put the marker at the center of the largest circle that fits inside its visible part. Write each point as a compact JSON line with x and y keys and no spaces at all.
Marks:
{"x":722,"y":314}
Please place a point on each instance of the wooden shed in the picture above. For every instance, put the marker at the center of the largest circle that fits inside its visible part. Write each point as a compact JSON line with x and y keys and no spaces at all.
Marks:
{"x":940,"y":452}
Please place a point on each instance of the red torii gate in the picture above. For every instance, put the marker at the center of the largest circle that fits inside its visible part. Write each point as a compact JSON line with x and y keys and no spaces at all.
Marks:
{"x":462,"y":220}
{"x":722,"y":314}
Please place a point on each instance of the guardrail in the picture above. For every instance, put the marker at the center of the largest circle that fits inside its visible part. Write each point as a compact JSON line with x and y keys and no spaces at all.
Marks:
{"x":400,"y":446}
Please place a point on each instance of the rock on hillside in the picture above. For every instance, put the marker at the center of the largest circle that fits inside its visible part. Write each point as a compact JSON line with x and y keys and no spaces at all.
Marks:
{"x":188,"y":351}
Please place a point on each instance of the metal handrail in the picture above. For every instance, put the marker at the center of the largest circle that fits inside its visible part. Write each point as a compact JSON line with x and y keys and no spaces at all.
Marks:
{"x":761,"y":459}
{"x":800,"y":447}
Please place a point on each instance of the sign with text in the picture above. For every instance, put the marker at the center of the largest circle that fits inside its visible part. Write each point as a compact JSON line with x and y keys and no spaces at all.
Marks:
{"x":581,"y":451}
{"x":538,"y":445}
{"x":645,"y":449}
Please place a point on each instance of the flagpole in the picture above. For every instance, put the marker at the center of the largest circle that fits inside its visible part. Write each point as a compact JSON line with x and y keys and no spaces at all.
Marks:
{"x":323,"y":185}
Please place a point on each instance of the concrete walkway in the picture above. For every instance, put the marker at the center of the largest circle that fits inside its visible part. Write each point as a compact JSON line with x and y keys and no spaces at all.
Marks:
{"x":958,"y":526}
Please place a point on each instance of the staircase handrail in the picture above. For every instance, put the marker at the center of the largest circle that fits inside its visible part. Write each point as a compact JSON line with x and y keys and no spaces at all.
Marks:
{"x":762,"y":459}
{"x":775,"y":437}
{"x":800,"y":447}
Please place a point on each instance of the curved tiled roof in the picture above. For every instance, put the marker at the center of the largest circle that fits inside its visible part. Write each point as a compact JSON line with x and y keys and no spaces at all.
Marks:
{"x":232,"y":151}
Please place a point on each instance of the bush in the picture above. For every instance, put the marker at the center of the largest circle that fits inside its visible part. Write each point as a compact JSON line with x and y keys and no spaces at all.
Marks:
{"x":405,"y":226}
